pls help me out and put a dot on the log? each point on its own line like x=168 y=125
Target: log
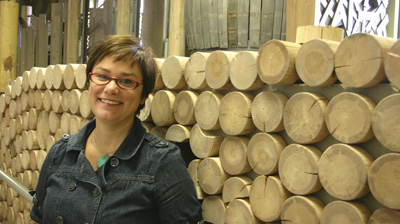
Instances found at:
x=24 y=101
x=302 y=209
x=218 y=69
x=391 y=64
x=43 y=129
x=350 y=212
x=243 y=71
x=24 y=136
x=32 y=76
x=58 y=74
x=304 y=117
x=159 y=82
x=70 y=76
x=84 y=107
x=348 y=117
x=56 y=102
x=184 y=106
x=27 y=179
x=328 y=33
x=31 y=98
x=267 y=195
x=206 y=110
x=162 y=108
x=65 y=122
x=275 y=62
x=178 y=133
x=195 y=70
x=19 y=105
x=315 y=62
x=240 y=211
x=263 y=152
x=74 y=101
x=25 y=81
x=384 y=181
x=47 y=100
x=32 y=142
x=25 y=120
x=193 y=168
x=298 y=169
x=38 y=95
x=65 y=100
x=204 y=143
x=81 y=77
x=385 y=121
x=172 y=72
x=145 y=112
x=12 y=109
x=48 y=77
x=3 y=104
x=159 y=131
x=40 y=76
x=25 y=160
x=359 y=66
x=214 y=209
x=49 y=142
x=233 y=155
x=75 y=124
x=267 y=111
x=236 y=187
x=18 y=86
x=384 y=216
x=33 y=118
x=343 y=171
x=212 y=176
x=235 y=113
x=35 y=177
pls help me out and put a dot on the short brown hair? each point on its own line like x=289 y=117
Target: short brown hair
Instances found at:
x=126 y=47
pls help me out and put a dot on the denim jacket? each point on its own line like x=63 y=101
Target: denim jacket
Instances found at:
x=145 y=181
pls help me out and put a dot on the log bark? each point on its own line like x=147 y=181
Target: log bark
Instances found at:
x=298 y=169
x=184 y=106
x=276 y=61
x=206 y=110
x=302 y=209
x=195 y=70
x=348 y=117
x=315 y=62
x=243 y=71
x=233 y=155
x=162 y=108
x=212 y=176
x=392 y=64
x=350 y=212
x=359 y=66
x=235 y=113
x=267 y=196
x=385 y=122
x=236 y=187
x=214 y=209
x=383 y=180
x=173 y=72
x=304 y=118
x=240 y=211
x=218 y=69
x=204 y=143
x=343 y=171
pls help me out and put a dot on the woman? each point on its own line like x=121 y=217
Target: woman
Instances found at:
x=112 y=171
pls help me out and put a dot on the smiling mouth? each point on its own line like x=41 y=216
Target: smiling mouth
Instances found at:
x=110 y=102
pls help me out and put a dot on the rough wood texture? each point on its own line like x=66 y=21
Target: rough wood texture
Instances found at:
x=359 y=66
x=178 y=133
x=348 y=117
x=206 y=110
x=350 y=212
x=176 y=37
x=315 y=62
x=235 y=113
x=343 y=171
x=392 y=64
x=195 y=70
x=383 y=180
x=304 y=119
x=212 y=176
x=267 y=111
x=243 y=71
x=267 y=196
x=204 y=143
x=233 y=155
x=384 y=216
x=236 y=187
x=302 y=209
x=218 y=69
x=263 y=152
x=184 y=106
x=162 y=111
x=385 y=122
x=172 y=72
x=240 y=211
x=213 y=209
x=275 y=62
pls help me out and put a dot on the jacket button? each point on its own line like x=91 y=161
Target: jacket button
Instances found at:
x=60 y=220
x=96 y=192
x=66 y=137
x=114 y=162
x=72 y=186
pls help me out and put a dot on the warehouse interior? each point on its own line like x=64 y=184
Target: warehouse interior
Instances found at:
x=285 y=111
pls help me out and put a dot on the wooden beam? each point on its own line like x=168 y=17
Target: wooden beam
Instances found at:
x=72 y=31
x=176 y=40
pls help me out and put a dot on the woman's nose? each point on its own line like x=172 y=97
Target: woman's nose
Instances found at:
x=112 y=86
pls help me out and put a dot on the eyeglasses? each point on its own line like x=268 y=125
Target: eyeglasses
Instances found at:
x=101 y=79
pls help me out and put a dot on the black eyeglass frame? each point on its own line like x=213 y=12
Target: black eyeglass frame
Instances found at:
x=116 y=81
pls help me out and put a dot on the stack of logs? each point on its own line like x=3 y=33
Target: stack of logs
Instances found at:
x=292 y=133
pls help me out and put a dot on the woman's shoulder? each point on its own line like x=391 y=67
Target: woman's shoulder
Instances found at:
x=160 y=146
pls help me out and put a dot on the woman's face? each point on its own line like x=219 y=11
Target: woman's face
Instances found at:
x=109 y=102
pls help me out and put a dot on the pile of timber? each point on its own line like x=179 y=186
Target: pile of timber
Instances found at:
x=291 y=132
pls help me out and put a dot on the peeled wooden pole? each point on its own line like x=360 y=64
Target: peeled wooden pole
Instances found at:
x=359 y=66
x=193 y=168
x=235 y=113
x=348 y=117
x=385 y=122
x=304 y=117
x=213 y=209
x=65 y=100
x=206 y=110
x=350 y=212
x=47 y=100
x=176 y=37
x=162 y=108
x=25 y=81
x=392 y=64
x=236 y=187
x=58 y=74
x=267 y=196
x=195 y=75
x=263 y=152
x=65 y=122
x=204 y=143
x=178 y=133
x=84 y=107
x=159 y=82
x=74 y=101
x=184 y=106
x=240 y=211
x=43 y=129
x=70 y=76
x=173 y=72
x=48 y=77
x=384 y=216
x=243 y=71
x=233 y=155
x=276 y=61
x=40 y=76
x=211 y=175
x=218 y=69
x=75 y=124
x=56 y=102
x=302 y=209
x=39 y=99
x=315 y=62
x=81 y=77
x=145 y=112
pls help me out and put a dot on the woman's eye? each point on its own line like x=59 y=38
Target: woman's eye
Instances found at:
x=103 y=77
x=126 y=81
